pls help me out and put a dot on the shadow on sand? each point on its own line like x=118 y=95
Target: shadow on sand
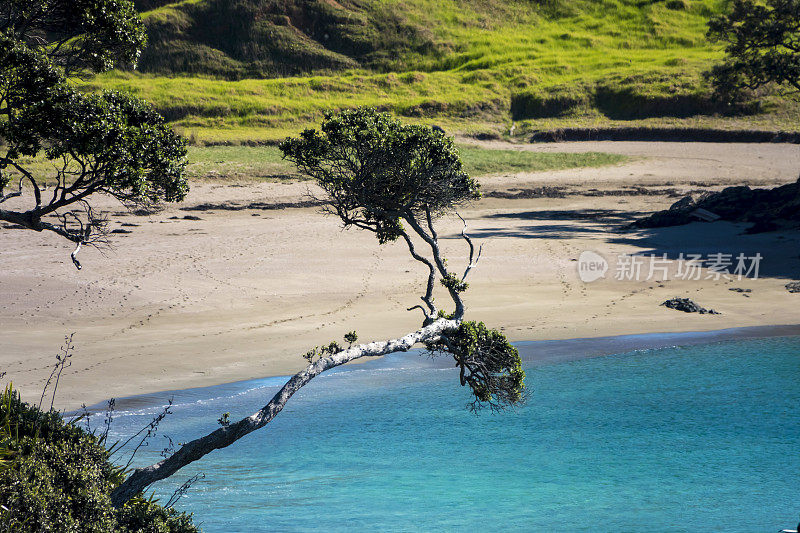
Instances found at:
x=780 y=250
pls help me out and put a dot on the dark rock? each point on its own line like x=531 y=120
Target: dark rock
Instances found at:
x=191 y=217
x=683 y=204
x=793 y=287
x=661 y=219
x=121 y=231
x=739 y=289
x=768 y=209
x=687 y=306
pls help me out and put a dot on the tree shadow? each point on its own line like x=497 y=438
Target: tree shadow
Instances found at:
x=576 y=222
x=779 y=250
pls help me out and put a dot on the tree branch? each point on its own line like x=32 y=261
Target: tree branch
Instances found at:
x=428 y=298
x=12 y=194
x=225 y=436
x=472 y=264
x=437 y=257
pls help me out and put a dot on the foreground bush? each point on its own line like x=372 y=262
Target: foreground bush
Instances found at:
x=54 y=476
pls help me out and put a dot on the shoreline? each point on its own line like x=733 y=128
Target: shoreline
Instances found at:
x=538 y=352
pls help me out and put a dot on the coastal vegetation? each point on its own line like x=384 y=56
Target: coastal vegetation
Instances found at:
x=265 y=71
x=378 y=174
x=55 y=476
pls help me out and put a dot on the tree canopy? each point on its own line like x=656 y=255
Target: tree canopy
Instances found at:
x=76 y=35
x=762 y=45
x=108 y=143
x=378 y=171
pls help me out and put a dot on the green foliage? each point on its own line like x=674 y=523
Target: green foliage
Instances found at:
x=351 y=337
x=141 y=157
x=318 y=352
x=94 y=35
x=59 y=478
x=147 y=516
x=108 y=143
x=489 y=364
x=452 y=282
x=377 y=171
x=225 y=419
x=761 y=46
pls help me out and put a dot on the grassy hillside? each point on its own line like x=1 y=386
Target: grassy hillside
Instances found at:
x=468 y=65
x=237 y=39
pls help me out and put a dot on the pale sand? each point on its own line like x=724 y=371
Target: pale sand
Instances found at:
x=180 y=303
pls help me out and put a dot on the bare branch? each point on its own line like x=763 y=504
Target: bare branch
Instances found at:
x=437 y=257
x=74 y=257
x=62 y=361
x=472 y=264
x=183 y=489
x=12 y=194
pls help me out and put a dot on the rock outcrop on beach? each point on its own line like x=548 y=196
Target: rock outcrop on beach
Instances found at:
x=767 y=209
x=793 y=287
x=687 y=306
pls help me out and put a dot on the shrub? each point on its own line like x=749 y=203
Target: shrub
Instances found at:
x=54 y=476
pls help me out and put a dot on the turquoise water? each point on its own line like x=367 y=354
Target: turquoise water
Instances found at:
x=696 y=438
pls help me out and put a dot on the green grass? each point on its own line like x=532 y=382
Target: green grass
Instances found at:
x=482 y=162
x=238 y=162
x=539 y=64
x=247 y=163
x=265 y=162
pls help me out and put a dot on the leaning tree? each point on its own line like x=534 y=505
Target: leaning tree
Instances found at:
x=762 y=46
x=394 y=180
x=59 y=146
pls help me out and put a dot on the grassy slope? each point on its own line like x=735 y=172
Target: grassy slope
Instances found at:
x=542 y=64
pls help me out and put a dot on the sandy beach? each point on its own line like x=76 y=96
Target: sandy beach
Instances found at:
x=246 y=289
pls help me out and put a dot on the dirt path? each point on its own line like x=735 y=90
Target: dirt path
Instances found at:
x=668 y=163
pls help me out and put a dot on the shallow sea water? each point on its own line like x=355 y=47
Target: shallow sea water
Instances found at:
x=694 y=438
